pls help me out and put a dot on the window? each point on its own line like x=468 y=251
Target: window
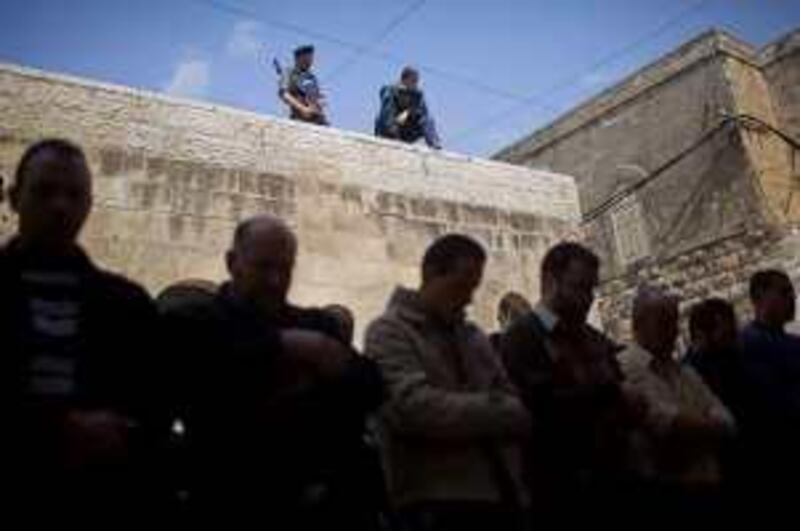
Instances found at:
x=630 y=233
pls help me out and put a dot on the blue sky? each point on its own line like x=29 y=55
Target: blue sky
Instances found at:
x=493 y=70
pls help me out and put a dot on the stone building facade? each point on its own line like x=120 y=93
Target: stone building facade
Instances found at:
x=173 y=177
x=688 y=171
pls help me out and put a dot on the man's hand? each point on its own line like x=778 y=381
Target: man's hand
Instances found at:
x=308 y=112
x=402 y=118
x=95 y=437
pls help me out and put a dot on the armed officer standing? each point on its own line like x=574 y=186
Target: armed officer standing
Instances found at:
x=300 y=89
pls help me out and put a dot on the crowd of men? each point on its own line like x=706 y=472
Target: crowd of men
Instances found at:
x=229 y=402
x=403 y=113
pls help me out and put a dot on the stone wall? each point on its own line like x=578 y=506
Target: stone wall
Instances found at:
x=682 y=178
x=781 y=65
x=173 y=177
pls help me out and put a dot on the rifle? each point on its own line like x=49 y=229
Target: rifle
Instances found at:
x=277 y=66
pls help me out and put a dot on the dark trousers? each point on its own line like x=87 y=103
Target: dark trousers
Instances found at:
x=424 y=127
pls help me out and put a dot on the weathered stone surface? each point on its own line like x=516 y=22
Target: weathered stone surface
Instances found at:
x=173 y=177
x=673 y=190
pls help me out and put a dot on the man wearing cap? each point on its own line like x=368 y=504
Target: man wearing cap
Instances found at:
x=300 y=89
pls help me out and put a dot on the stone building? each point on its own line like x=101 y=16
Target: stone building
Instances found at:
x=173 y=177
x=688 y=171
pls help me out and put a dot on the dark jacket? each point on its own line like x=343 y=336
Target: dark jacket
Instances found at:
x=396 y=99
x=260 y=440
x=772 y=366
x=724 y=373
x=772 y=374
x=576 y=410
x=117 y=367
x=313 y=319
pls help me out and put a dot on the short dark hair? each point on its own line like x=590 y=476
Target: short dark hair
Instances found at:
x=303 y=50
x=764 y=280
x=58 y=146
x=704 y=316
x=242 y=232
x=443 y=254
x=408 y=71
x=558 y=258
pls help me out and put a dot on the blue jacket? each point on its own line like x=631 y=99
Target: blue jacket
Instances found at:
x=394 y=100
x=772 y=366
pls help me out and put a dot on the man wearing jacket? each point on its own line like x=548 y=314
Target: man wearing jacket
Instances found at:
x=452 y=423
x=273 y=403
x=404 y=114
x=78 y=376
x=570 y=381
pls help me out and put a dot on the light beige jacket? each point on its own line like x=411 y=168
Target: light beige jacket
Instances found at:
x=437 y=424
x=668 y=394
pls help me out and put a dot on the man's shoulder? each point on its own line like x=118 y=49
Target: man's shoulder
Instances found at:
x=298 y=76
x=206 y=308
x=691 y=374
x=474 y=333
x=312 y=319
x=633 y=360
x=528 y=325
x=117 y=285
x=749 y=329
x=389 y=320
x=525 y=341
x=752 y=335
x=293 y=78
x=473 y=329
x=391 y=330
x=694 y=358
x=390 y=88
x=604 y=340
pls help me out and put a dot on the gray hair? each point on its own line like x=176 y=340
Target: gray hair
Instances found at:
x=648 y=297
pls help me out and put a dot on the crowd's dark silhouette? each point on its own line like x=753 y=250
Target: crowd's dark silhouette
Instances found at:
x=229 y=402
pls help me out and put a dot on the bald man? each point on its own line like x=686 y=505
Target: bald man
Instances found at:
x=261 y=263
x=273 y=404
x=675 y=450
